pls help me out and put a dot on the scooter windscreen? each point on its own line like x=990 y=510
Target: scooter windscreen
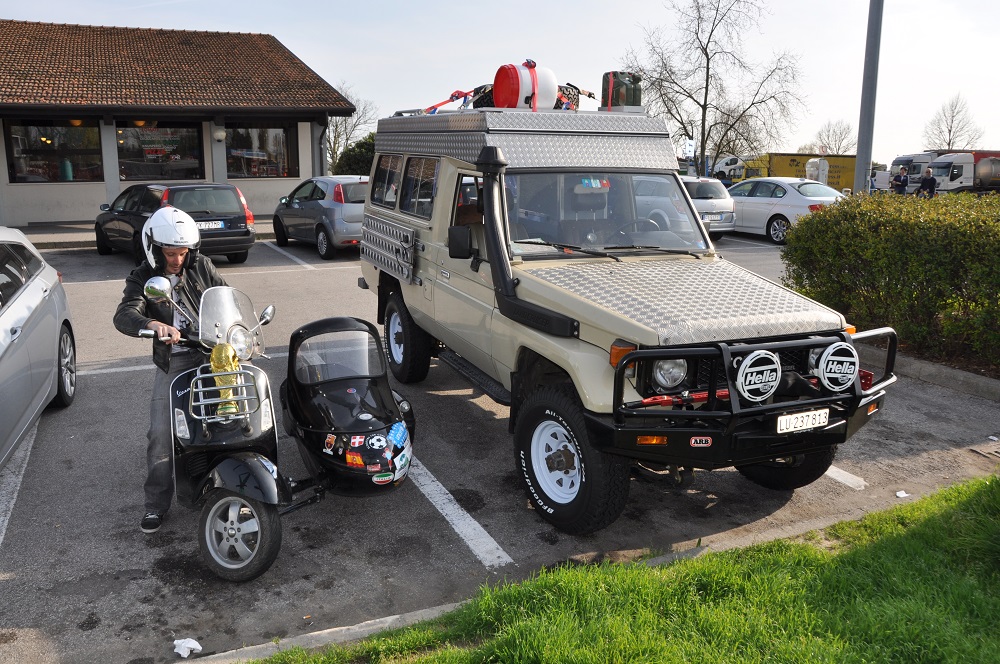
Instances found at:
x=228 y=316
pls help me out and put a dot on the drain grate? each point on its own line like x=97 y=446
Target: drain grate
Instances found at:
x=991 y=450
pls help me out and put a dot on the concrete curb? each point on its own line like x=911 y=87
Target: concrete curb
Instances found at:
x=936 y=374
x=338 y=635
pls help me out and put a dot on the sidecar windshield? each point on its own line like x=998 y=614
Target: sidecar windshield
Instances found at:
x=337 y=355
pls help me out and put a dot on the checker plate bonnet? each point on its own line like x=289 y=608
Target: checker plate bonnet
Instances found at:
x=690 y=301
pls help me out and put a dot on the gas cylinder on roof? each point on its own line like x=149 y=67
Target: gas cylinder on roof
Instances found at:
x=525 y=86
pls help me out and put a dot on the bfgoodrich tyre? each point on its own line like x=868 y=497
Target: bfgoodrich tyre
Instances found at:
x=790 y=472
x=408 y=347
x=570 y=483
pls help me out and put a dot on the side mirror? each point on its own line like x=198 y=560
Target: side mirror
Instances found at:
x=267 y=315
x=105 y=207
x=459 y=242
x=283 y=200
x=157 y=289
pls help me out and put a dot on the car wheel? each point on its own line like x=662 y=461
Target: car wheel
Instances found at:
x=280 y=235
x=790 y=472
x=137 y=250
x=239 y=537
x=777 y=229
x=103 y=244
x=570 y=483
x=238 y=257
x=323 y=244
x=407 y=346
x=66 y=369
x=715 y=237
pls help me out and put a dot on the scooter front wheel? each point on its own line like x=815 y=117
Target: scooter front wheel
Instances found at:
x=239 y=537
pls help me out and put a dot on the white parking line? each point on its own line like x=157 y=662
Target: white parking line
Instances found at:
x=845 y=477
x=289 y=256
x=10 y=479
x=476 y=538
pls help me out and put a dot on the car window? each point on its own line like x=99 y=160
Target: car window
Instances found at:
x=119 y=202
x=386 y=181
x=355 y=192
x=206 y=200
x=706 y=190
x=741 y=190
x=150 y=200
x=419 y=186
x=33 y=264
x=12 y=276
x=303 y=191
x=321 y=191
x=817 y=190
x=779 y=191
x=764 y=190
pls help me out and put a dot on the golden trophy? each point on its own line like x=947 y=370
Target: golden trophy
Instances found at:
x=222 y=360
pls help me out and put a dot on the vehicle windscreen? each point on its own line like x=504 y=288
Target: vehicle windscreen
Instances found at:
x=338 y=355
x=941 y=169
x=817 y=190
x=706 y=190
x=355 y=192
x=599 y=211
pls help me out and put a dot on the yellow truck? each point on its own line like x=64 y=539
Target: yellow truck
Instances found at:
x=839 y=170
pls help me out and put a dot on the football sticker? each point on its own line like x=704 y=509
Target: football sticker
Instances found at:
x=377 y=441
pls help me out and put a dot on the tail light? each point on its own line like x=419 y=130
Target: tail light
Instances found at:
x=59 y=275
x=338 y=194
x=163 y=200
x=816 y=207
x=246 y=209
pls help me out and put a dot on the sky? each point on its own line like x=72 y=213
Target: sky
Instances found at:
x=410 y=54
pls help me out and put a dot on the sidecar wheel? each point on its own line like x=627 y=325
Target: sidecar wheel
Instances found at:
x=239 y=537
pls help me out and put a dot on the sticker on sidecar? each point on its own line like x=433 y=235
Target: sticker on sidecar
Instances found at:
x=397 y=434
x=329 y=443
x=382 y=478
x=377 y=441
x=402 y=465
x=357 y=441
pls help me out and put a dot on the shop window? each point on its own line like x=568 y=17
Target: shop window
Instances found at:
x=53 y=151
x=151 y=150
x=268 y=150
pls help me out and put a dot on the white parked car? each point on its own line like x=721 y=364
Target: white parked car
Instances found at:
x=37 y=350
x=713 y=203
x=769 y=206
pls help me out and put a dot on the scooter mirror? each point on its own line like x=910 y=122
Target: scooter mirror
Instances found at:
x=267 y=315
x=157 y=289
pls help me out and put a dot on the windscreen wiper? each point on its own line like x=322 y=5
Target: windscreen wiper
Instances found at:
x=570 y=247
x=653 y=247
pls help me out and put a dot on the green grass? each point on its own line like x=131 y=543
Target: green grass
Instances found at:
x=917 y=583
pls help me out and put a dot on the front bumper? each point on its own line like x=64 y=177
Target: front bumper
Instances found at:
x=715 y=428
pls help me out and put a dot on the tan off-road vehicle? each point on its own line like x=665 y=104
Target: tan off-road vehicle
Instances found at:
x=528 y=251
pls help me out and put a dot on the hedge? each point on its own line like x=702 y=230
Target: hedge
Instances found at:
x=928 y=268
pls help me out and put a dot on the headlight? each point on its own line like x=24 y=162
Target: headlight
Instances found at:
x=242 y=342
x=669 y=373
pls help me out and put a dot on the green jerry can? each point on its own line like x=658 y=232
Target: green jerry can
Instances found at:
x=621 y=88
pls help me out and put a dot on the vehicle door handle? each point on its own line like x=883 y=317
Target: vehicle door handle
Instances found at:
x=15 y=332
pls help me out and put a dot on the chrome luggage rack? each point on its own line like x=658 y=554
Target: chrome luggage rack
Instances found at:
x=205 y=395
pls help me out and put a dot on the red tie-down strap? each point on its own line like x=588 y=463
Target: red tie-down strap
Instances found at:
x=530 y=64
x=455 y=96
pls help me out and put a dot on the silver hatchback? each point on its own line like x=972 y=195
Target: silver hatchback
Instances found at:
x=327 y=211
x=37 y=348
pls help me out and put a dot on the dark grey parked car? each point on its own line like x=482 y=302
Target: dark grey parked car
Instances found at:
x=327 y=211
x=220 y=210
x=37 y=350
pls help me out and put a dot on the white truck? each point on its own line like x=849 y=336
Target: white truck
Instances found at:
x=915 y=165
x=620 y=339
x=975 y=171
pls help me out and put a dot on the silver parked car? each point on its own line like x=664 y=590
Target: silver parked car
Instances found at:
x=37 y=349
x=769 y=206
x=713 y=203
x=327 y=210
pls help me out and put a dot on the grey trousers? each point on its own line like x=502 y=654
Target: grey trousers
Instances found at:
x=160 y=451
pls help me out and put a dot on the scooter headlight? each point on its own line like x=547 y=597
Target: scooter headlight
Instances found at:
x=668 y=374
x=242 y=342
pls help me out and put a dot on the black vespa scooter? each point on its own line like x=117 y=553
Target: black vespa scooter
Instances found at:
x=225 y=438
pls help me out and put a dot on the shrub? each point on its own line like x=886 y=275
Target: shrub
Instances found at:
x=928 y=268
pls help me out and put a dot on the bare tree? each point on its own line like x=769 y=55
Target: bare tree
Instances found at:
x=952 y=127
x=343 y=131
x=708 y=89
x=838 y=137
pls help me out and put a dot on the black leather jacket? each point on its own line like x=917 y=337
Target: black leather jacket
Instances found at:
x=135 y=311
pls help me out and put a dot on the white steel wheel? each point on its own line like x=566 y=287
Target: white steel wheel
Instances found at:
x=553 y=451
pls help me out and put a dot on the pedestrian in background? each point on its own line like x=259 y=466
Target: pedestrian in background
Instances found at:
x=928 y=185
x=900 y=181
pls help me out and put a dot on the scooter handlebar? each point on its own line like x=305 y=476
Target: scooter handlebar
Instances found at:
x=184 y=341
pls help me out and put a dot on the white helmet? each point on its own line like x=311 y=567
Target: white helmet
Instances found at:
x=169 y=227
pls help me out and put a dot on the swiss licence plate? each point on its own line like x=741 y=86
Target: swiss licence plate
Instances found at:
x=711 y=217
x=206 y=225
x=803 y=421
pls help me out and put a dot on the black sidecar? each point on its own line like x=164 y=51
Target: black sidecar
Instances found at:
x=351 y=427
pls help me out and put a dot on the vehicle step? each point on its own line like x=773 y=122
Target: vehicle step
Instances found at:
x=493 y=388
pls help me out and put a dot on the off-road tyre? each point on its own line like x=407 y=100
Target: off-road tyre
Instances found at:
x=407 y=346
x=569 y=482
x=791 y=472
x=103 y=243
x=280 y=235
x=239 y=537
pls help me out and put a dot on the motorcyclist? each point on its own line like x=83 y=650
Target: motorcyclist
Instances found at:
x=170 y=241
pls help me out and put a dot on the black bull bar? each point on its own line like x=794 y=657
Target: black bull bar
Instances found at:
x=725 y=432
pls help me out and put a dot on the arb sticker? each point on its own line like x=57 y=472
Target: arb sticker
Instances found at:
x=701 y=441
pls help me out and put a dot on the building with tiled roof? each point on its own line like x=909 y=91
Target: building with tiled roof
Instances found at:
x=88 y=109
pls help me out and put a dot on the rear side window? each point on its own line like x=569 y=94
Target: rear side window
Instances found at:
x=385 y=186
x=32 y=262
x=12 y=276
x=419 y=186
x=355 y=192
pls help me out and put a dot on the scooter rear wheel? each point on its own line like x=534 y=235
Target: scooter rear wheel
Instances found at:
x=239 y=537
